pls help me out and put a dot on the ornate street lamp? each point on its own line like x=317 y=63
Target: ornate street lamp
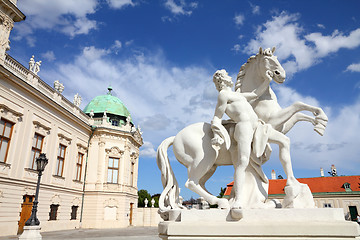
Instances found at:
x=41 y=162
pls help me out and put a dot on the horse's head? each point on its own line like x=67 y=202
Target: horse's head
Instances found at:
x=270 y=66
x=257 y=69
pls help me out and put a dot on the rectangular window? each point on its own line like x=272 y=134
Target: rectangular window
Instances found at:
x=60 y=160
x=115 y=122
x=79 y=166
x=6 y=128
x=113 y=170
x=36 y=149
x=132 y=174
x=73 y=212
x=53 y=211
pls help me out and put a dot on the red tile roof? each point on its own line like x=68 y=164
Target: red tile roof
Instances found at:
x=316 y=185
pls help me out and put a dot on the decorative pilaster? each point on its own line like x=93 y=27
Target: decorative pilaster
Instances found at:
x=9 y=14
x=6 y=25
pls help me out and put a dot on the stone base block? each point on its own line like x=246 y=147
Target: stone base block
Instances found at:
x=261 y=224
x=31 y=233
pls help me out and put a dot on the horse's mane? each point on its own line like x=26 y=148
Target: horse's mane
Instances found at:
x=242 y=71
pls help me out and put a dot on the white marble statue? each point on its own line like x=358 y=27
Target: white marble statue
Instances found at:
x=56 y=85
x=256 y=120
x=128 y=120
x=146 y=201
x=139 y=129
x=152 y=202
x=77 y=100
x=59 y=86
x=32 y=63
x=37 y=67
x=92 y=113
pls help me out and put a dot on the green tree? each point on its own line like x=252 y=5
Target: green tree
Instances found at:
x=142 y=194
x=221 y=194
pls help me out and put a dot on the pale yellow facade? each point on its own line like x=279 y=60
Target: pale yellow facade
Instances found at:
x=344 y=200
x=75 y=187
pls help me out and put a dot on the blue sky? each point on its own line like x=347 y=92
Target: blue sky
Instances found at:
x=160 y=55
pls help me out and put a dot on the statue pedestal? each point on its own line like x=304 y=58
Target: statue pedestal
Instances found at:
x=260 y=224
x=31 y=233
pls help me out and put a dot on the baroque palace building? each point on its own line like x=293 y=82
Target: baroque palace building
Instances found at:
x=91 y=177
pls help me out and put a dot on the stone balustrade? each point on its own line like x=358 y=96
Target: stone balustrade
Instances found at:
x=18 y=68
x=26 y=75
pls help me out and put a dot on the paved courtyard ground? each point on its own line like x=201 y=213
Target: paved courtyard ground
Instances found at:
x=131 y=233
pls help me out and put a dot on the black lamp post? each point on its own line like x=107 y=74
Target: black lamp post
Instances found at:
x=41 y=162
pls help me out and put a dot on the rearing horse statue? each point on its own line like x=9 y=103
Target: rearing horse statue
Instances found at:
x=267 y=107
x=192 y=146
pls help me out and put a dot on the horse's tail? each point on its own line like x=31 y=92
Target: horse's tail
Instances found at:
x=169 y=198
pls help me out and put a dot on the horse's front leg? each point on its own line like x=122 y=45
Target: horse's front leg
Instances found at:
x=279 y=119
x=297 y=117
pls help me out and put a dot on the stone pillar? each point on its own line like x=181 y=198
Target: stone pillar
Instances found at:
x=101 y=163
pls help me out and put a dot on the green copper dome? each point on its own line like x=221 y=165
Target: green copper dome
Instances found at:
x=108 y=103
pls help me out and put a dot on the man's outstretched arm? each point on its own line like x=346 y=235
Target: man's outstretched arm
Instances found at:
x=257 y=92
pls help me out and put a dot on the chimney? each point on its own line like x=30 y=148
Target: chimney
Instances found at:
x=333 y=170
x=321 y=172
x=273 y=174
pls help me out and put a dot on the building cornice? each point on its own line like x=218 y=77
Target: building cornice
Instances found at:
x=12 y=11
x=135 y=136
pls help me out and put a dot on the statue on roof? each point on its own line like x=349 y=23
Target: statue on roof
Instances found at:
x=32 y=63
x=128 y=120
x=34 y=66
x=77 y=100
x=58 y=86
x=37 y=67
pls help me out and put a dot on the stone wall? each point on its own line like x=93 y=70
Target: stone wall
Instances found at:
x=147 y=217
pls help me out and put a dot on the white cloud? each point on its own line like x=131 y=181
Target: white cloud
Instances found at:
x=147 y=150
x=80 y=26
x=128 y=43
x=283 y=32
x=49 y=55
x=118 y=4
x=324 y=45
x=255 y=9
x=92 y=53
x=166 y=19
x=161 y=97
x=239 y=19
x=68 y=17
x=297 y=50
x=181 y=7
x=155 y=122
x=116 y=46
x=355 y=67
x=320 y=25
x=287 y=96
x=236 y=48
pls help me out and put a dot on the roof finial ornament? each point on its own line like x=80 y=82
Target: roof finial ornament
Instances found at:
x=110 y=89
